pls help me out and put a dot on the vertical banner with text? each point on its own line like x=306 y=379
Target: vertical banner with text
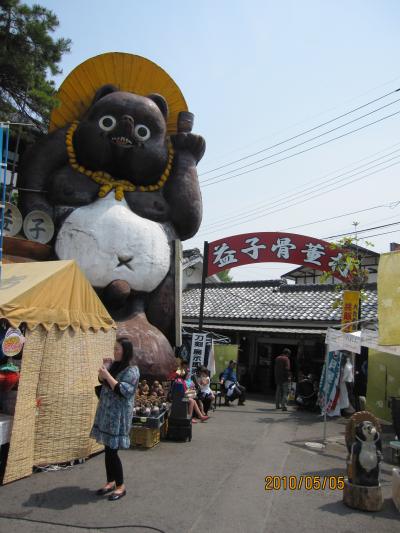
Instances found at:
x=329 y=383
x=198 y=351
x=351 y=305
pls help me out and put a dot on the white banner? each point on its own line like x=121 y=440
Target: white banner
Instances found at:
x=338 y=340
x=211 y=359
x=197 y=351
x=370 y=339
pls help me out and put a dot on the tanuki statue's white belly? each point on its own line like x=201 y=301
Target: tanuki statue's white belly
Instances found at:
x=110 y=242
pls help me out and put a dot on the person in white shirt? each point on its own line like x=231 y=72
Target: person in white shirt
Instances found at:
x=205 y=394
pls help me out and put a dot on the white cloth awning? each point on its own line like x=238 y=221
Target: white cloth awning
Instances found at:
x=338 y=340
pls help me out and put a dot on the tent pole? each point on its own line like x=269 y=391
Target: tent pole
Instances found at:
x=325 y=389
x=5 y=133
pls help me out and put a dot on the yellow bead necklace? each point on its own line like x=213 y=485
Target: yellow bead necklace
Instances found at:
x=104 y=179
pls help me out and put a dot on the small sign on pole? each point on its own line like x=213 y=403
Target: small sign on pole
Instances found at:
x=198 y=351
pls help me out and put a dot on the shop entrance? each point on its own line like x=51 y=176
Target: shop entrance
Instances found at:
x=267 y=352
x=307 y=357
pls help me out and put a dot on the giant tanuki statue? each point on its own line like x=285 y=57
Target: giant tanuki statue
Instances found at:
x=120 y=183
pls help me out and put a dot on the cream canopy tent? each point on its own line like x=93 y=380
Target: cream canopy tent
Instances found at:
x=48 y=294
x=68 y=332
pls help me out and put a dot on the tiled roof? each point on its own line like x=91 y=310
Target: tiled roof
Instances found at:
x=274 y=300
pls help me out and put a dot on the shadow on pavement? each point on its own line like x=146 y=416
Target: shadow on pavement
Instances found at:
x=301 y=418
x=61 y=498
x=339 y=508
x=340 y=455
x=328 y=473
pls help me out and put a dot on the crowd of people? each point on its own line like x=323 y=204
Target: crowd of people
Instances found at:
x=118 y=383
x=198 y=393
x=119 y=379
x=192 y=391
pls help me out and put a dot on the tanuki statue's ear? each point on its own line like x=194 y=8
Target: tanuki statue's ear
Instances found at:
x=161 y=103
x=103 y=91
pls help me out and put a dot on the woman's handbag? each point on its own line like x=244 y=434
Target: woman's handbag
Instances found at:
x=97 y=390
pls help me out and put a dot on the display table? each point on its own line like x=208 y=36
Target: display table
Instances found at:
x=5 y=428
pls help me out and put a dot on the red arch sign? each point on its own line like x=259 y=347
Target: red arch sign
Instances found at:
x=276 y=247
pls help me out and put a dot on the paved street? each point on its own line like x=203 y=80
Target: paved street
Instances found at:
x=213 y=484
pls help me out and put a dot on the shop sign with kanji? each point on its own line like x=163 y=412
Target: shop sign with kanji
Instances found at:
x=350 y=307
x=275 y=247
x=197 y=352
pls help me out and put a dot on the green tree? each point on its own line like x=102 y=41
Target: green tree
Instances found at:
x=350 y=264
x=224 y=276
x=28 y=56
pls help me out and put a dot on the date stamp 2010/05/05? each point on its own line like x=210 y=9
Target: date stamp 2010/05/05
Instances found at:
x=304 y=482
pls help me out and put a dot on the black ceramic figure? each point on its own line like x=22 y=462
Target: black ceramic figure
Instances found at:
x=366 y=455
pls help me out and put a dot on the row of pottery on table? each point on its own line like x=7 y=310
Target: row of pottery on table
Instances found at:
x=149 y=420
x=150 y=401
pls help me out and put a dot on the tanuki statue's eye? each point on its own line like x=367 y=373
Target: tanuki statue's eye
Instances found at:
x=107 y=123
x=142 y=132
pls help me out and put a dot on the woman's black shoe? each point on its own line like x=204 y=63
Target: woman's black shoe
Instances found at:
x=104 y=491
x=116 y=496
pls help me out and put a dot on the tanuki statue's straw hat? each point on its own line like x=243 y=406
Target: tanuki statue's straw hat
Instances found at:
x=128 y=72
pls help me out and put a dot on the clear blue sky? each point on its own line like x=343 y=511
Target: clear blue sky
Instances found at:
x=254 y=73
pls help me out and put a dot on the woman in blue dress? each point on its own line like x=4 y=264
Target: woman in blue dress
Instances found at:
x=113 y=418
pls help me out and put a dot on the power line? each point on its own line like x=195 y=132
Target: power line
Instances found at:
x=302 y=151
x=379 y=234
x=301 y=133
x=257 y=206
x=363 y=230
x=340 y=216
x=346 y=102
x=349 y=232
x=250 y=218
x=320 y=185
x=301 y=143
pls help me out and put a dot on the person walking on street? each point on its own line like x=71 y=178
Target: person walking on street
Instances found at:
x=282 y=374
x=113 y=418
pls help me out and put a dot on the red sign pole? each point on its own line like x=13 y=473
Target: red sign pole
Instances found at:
x=203 y=284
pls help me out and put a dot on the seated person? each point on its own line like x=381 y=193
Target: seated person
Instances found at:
x=205 y=394
x=190 y=393
x=193 y=389
x=233 y=389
